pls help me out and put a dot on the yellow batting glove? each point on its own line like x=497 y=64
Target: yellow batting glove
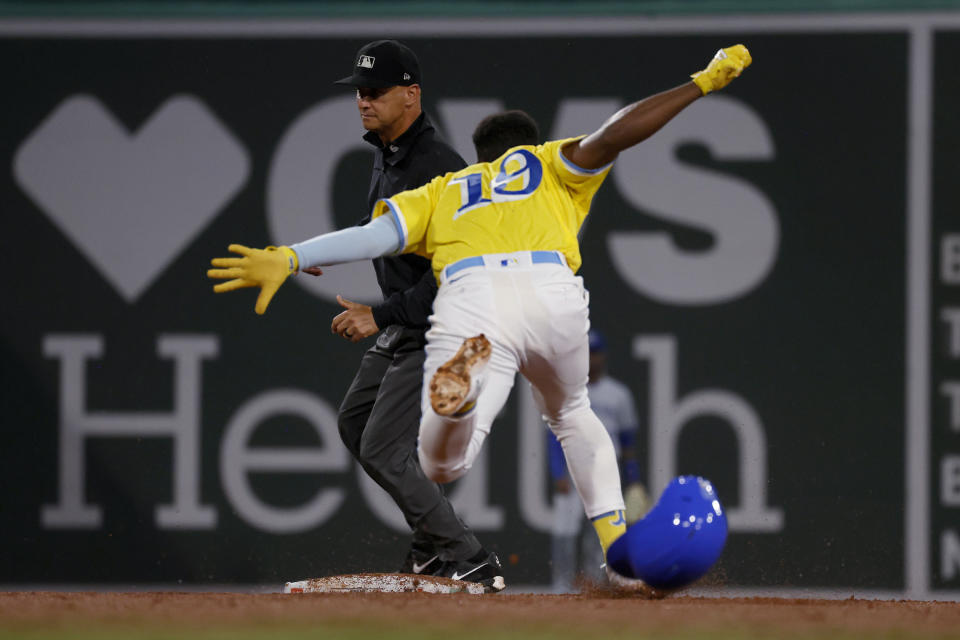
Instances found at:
x=264 y=268
x=725 y=66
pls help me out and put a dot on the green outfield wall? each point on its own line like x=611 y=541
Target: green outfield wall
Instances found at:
x=777 y=273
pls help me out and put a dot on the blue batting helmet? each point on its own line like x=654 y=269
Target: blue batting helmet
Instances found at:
x=678 y=541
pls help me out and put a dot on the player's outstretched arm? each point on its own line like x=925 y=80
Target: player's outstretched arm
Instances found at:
x=269 y=268
x=637 y=122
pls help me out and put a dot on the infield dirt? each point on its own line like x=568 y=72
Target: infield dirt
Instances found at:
x=402 y=615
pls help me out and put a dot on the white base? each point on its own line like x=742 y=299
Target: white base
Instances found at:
x=383 y=583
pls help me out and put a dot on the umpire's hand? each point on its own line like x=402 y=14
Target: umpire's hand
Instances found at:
x=356 y=323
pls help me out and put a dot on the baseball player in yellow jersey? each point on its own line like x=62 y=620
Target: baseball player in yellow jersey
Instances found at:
x=502 y=237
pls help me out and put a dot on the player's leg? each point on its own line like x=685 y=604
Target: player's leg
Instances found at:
x=587 y=447
x=462 y=311
x=449 y=444
x=556 y=361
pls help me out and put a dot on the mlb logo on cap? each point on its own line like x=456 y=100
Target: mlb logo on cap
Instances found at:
x=382 y=64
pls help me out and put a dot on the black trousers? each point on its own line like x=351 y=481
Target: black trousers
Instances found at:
x=379 y=421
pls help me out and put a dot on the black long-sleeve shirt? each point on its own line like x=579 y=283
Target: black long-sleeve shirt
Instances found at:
x=412 y=160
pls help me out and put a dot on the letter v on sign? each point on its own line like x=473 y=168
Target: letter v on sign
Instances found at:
x=129 y=202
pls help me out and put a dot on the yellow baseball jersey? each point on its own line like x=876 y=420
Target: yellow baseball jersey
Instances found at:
x=528 y=199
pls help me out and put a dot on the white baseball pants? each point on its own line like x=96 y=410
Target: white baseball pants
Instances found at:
x=535 y=313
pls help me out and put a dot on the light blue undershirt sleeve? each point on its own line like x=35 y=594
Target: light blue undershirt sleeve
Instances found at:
x=376 y=238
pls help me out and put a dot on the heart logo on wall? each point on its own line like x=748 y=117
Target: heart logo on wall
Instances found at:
x=131 y=202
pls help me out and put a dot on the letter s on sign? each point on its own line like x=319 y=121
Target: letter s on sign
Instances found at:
x=740 y=217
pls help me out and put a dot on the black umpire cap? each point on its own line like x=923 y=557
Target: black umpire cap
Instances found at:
x=384 y=63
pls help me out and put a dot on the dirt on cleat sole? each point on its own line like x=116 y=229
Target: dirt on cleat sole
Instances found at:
x=450 y=385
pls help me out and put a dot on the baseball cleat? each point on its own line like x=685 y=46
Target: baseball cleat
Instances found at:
x=624 y=584
x=450 y=388
x=422 y=563
x=483 y=568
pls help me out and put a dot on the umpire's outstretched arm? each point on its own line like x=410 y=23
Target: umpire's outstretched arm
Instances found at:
x=637 y=122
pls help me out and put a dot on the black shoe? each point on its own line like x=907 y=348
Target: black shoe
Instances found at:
x=422 y=563
x=483 y=568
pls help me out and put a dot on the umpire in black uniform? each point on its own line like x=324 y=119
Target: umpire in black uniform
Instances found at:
x=379 y=417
